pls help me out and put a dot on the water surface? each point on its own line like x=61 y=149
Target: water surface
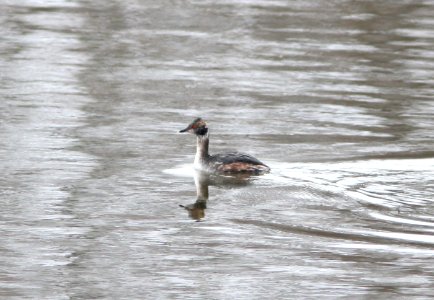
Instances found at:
x=337 y=97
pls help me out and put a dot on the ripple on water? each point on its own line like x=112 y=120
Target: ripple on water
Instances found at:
x=357 y=188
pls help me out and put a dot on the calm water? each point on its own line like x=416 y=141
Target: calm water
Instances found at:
x=336 y=96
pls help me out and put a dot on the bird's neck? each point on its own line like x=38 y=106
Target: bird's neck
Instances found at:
x=201 y=149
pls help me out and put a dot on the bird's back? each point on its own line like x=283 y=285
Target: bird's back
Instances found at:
x=235 y=162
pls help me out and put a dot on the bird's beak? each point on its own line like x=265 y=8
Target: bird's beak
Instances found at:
x=185 y=129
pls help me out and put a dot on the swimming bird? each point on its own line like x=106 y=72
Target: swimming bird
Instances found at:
x=224 y=163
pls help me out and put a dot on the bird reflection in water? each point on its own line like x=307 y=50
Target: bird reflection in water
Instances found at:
x=196 y=210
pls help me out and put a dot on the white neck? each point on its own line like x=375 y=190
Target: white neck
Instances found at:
x=201 y=150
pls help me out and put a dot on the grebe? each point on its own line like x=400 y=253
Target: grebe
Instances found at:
x=225 y=163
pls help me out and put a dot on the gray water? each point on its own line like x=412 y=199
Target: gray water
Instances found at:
x=335 y=96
